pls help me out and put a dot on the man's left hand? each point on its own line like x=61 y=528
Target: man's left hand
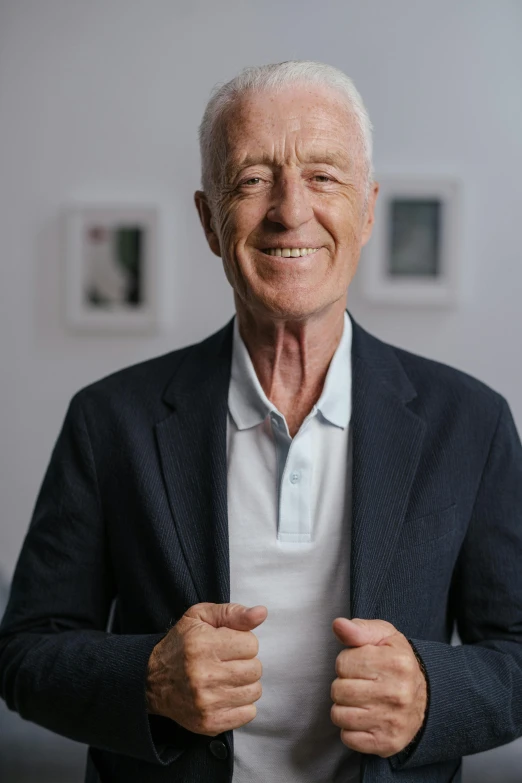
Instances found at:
x=380 y=693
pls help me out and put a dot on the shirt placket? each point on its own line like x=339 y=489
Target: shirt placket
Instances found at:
x=294 y=457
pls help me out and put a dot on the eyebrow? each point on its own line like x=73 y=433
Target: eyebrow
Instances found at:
x=329 y=158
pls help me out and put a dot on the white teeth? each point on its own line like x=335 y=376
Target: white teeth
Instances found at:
x=290 y=252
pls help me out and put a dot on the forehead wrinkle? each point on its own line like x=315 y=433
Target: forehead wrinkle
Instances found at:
x=285 y=140
x=337 y=159
x=320 y=152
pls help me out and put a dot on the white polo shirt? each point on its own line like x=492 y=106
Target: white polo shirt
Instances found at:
x=289 y=520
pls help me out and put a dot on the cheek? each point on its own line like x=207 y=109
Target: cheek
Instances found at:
x=350 y=236
x=342 y=220
x=230 y=233
x=237 y=223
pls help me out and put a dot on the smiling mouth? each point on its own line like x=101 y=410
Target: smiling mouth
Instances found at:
x=290 y=252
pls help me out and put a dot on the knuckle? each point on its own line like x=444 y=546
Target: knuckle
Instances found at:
x=404 y=663
x=250 y=713
x=201 y=700
x=374 y=744
x=397 y=695
x=358 y=744
x=335 y=715
x=228 y=609
x=254 y=644
x=397 y=733
x=402 y=695
x=209 y=726
x=340 y=663
x=393 y=735
x=195 y=675
x=229 y=612
x=387 y=748
x=191 y=648
x=196 y=610
x=201 y=606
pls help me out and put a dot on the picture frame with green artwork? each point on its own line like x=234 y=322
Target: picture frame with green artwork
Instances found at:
x=114 y=269
x=413 y=257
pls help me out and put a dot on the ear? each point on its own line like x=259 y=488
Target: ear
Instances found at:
x=205 y=216
x=369 y=218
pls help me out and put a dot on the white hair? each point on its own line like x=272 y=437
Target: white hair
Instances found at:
x=275 y=76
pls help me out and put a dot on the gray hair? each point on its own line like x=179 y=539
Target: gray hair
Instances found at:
x=275 y=76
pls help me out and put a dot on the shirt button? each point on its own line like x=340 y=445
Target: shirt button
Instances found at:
x=295 y=476
x=218 y=749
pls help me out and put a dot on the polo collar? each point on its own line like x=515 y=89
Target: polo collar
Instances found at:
x=249 y=405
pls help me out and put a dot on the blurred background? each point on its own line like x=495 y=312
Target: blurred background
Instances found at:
x=101 y=100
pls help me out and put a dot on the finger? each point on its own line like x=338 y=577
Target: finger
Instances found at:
x=352 y=718
x=230 y=615
x=355 y=693
x=234 y=674
x=361 y=741
x=380 y=664
x=363 y=663
x=230 y=645
x=356 y=632
x=234 y=718
x=227 y=698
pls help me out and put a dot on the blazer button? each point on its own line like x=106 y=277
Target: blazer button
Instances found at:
x=218 y=749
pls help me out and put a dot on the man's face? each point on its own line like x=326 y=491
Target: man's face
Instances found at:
x=293 y=181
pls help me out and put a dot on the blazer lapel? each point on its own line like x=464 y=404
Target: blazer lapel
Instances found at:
x=192 y=446
x=387 y=440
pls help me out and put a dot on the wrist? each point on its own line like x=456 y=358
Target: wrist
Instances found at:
x=151 y=690
x=413 y=742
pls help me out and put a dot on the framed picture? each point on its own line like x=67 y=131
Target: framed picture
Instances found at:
x=413 y=255
x=114 y=271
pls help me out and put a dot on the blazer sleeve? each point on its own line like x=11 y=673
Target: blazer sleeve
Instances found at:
x=476 y=687
x=58 y=666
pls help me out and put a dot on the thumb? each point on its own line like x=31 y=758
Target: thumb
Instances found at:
x=356 y=632
x=235 y=616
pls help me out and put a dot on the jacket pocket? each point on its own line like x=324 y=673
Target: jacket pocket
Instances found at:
x=427 y=529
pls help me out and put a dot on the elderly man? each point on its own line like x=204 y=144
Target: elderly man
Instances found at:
x=236 y=502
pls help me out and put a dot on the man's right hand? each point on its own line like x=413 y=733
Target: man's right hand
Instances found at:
x=204 y=673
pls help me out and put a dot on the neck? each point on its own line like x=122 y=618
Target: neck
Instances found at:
x=291 y=357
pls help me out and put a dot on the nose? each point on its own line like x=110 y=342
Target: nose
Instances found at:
x=290 y=205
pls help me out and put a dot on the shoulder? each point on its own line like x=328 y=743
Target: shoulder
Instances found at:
x=137 y=379
x=436 y=391
x=141 y=387
x=453 y=403
x=431 y=377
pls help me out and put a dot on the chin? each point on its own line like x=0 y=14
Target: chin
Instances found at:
x=293 y=307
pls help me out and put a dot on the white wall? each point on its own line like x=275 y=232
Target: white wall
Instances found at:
x=104 y=98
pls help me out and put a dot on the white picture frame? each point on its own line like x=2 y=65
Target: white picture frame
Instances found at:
x=114 y=267
x=413 y=256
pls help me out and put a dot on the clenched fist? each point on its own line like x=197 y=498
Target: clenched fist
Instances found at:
x=204 y=673
x=380 y=693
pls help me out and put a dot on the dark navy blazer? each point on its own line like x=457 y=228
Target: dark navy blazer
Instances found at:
x=133 y=510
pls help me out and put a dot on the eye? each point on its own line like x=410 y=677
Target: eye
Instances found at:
x=321 y=178
x=251 y=181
